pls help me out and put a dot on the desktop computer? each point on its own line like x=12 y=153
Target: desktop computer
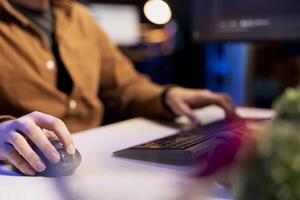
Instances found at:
x=255 y=20
x=249 y=47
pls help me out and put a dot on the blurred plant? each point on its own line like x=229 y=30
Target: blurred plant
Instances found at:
x=288 y=106
x=273 y=172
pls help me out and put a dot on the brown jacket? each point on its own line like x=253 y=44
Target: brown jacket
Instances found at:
x=100 y=73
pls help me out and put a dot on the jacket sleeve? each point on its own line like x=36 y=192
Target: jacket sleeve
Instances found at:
x=123 y=89
x=4 y=118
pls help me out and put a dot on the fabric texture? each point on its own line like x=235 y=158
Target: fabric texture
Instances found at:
x=46 y=22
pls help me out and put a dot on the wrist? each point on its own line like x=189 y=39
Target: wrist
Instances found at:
x=165 y=97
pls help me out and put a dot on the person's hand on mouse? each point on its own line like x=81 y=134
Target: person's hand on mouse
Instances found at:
x=182 y=100
x=38 y=128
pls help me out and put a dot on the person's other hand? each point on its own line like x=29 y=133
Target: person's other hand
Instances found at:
x=182 y=100
x=38 y=128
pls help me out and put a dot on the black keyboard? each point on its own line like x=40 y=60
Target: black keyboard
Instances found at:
x=187 y=146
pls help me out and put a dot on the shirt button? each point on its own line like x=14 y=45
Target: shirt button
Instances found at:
x=72 y=104
x=50 y=64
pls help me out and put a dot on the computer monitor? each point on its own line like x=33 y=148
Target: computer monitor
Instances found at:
x=250 y=20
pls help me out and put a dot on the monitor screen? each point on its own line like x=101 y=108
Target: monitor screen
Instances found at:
x=258 y=20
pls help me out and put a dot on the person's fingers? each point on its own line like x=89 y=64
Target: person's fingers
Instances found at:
x=20 y=163
x=38 y=137
x=57 y=126
x=227 y=98
x=24 y=149
x=229 y=101
x=174 y=108
x=222 y=102
x=206 y=97
x=50 y=135
x=187 y=111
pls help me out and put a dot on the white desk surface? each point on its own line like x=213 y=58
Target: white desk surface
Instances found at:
x=102 y=176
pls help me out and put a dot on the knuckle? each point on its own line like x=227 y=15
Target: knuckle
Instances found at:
x=223 y=98
x=35 y=113
x=20 y=163
x=57 y=123
x=15 y=138
x=28 y=129
x=206 y=92
x=217 y=100
x=22 y=121
x=18 y=122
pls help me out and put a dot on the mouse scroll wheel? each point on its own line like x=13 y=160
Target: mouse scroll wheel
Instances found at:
x=62 y=155
x=57 y=144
